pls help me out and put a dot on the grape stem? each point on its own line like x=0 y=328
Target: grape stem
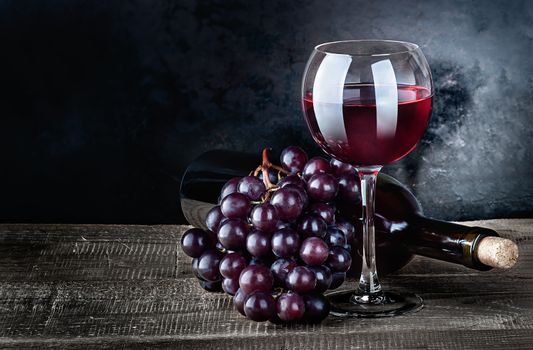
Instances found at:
x=277 y=292
x=264 y=168
x=265 y=165
x=256 y=171
x=278 y=168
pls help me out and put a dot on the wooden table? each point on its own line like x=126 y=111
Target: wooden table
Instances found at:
x=117 y=286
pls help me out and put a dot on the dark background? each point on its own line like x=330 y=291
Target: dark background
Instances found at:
x=104 y=103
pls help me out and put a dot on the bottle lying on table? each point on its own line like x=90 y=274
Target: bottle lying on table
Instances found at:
x=402 y=230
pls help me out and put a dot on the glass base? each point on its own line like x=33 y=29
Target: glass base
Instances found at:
x=388 y=304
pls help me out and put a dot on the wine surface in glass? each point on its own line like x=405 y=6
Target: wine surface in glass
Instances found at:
x=361 y=132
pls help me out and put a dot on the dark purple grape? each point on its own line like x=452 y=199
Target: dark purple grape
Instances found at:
x=322 y=187
x=301 y=192
x=265 y=217
x=272 y=176
x=211 y=286
x=288 y=204
x=339 y=259
x=323 y=278
x=232 y=234
x=316 y=165
x=314 y=251
x=213 y=218
x=301 y=280
x=230 y=285
x=194 y=268
x=292 y=180
x=337 y=279
x=280 y=269
x=293 y=159
x=229 y=187
x=335 y=237
x=339 y=168
x=251 y=187
x=258 y=243
x=195 y=242
x=259 y=306
x=348 y=229
x=208 y=265
x=349 y=189
x=231 y=265
x=325 y=211
x=285 y=243
x=235 y=206
x=256 y=278
x=316 y=307
x=290 y=306
x=348 y=247
x=311 y=225
x=238 y=301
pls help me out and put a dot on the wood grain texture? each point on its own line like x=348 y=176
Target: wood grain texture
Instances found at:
x=115 y=286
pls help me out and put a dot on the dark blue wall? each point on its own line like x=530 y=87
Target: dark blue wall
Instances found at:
x=103 y=103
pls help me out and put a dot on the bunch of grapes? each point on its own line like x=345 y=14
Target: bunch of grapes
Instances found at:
x=273 y=242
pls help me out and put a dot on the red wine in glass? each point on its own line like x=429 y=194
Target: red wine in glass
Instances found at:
x=360 y=142
x=368 y=103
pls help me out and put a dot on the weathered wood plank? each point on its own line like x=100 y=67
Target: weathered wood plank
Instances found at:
x=170 y=307
x=88 y=252
x=427 y=339
x=105 y=286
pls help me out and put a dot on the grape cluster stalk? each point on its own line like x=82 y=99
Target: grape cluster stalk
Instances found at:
x=274 y=242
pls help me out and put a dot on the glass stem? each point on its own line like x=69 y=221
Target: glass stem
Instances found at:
x=369 y=290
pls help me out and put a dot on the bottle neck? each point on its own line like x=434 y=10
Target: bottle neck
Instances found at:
x=445 y=241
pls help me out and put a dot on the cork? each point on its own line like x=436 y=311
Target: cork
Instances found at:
x=497 y=252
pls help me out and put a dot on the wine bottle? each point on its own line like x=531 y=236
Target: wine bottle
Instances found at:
x=402 y=230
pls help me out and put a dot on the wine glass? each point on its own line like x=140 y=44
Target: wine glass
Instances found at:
x=368 y=103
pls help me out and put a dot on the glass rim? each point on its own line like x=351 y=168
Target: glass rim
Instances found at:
x=410 y=47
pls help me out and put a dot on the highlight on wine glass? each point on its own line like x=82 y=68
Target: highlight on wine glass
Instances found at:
x=368 y=103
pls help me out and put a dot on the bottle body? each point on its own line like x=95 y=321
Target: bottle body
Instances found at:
x=401 y=228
